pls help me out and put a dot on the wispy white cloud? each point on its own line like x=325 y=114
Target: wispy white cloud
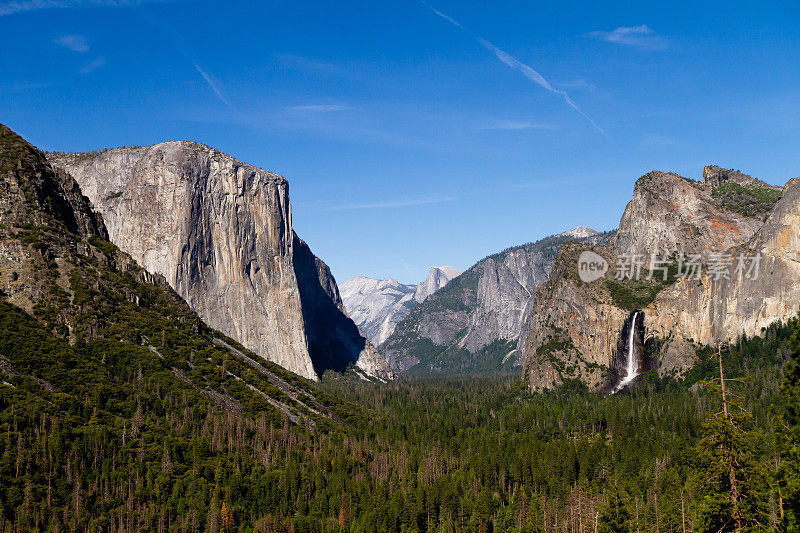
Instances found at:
x=319 y=108
x=409 y=202
x=212 y=84
x=642 y=36
x=512 y=125
x=76 y=43
x=526 y=70
x=445 y=17
x=183 y=48
x=93 y=65
x=537 y=78
x=576 y=84
x=19 y=6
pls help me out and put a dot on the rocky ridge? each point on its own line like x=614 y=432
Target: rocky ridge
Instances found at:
x=377 y=305
x=670 y=215
x=86 y=329
x=220 y=232
x=474 y=322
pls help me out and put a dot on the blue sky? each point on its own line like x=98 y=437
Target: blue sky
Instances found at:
x=413 y=133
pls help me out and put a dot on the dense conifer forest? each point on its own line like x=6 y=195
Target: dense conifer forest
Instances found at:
x=99 y=437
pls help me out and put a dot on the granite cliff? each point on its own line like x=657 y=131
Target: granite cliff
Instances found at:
x=670 y=213
x=576 y=328
x=377 y=305
x=719 y=309
x=474 y=322
x=88 y=334
x=220 y=232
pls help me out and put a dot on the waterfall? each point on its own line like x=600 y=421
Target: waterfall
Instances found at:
x=632 y=365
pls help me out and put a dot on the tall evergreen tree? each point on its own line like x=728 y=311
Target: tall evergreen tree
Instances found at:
x=732 y=481
x=614 y=516
x=789 y=440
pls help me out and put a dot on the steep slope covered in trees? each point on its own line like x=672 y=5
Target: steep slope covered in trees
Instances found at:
x=474 y=322
x=220 y=232
x=115 y=396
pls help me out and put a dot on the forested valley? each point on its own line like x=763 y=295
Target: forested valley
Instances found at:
x=96 y=437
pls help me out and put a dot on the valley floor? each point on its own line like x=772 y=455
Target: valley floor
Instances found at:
x=458 y=454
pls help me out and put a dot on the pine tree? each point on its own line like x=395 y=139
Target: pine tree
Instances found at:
x=732 y=481
x=614 y=516
x=789 y=440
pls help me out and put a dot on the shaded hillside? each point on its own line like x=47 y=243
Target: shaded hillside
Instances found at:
x=220 y=232
x=114 y=395
x=473 y=323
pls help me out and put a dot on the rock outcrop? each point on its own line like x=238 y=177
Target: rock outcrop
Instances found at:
x=437 y=278
x=577 y=325
x=35 y=194
x=44 y=221
x=715 y=176
x=574 y=326
x=220 y=232
x=670 y=213
x=474 y=322
x=377 y=305
x=581 y=232
x=719 y=309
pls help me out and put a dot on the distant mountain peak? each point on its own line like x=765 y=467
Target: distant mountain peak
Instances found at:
x=438 y=277
x=581 y=232
x=377 y=305
x=450 y=271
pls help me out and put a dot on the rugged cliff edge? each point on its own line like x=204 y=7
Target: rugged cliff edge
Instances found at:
x=576 y=329
x=573 y=327
x=220 y=232
x=474 y=322
x=708 y=310
x=92 y=339
x=670 y=213
x=377 y=305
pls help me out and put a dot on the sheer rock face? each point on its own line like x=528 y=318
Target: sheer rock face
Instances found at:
x=711 y=310
x=671 y=214
x=574 y=327
x=504 y=290
x=456 y=328
x=780 y=234
x=333 y=338
x=437 y=278
x=377 y=305
x=218 y=230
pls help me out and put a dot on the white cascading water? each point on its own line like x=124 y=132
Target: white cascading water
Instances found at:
x=632 y=363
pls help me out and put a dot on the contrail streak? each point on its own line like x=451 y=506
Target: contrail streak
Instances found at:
x=526 y=70
x=212 y=84
x=183 y=48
